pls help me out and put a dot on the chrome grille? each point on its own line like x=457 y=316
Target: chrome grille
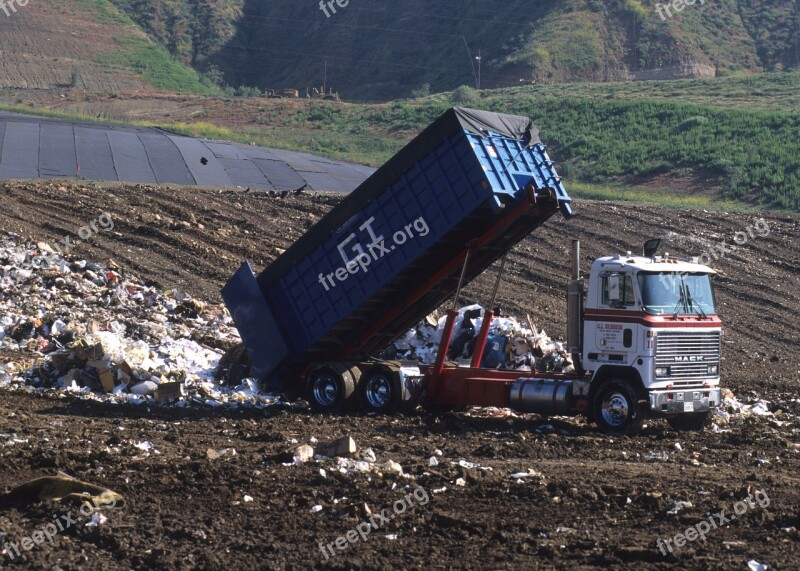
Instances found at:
x=688 y=354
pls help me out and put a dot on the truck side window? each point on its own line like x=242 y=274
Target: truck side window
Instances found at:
x=617 y=290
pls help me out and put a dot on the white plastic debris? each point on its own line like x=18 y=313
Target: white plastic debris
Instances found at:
x=369 y=455
x=677 y=507
x=147 y=446
x=107 y=335
x=754 y=565
x=390 y=467
x=247 y=499
x=303 y=454
x=316 y=509
x=97 y=520
x=433 y=461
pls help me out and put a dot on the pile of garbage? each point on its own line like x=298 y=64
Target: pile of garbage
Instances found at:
x=79 y=326
x=510 y=344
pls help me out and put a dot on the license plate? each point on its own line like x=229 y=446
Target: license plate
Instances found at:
x=688 y=407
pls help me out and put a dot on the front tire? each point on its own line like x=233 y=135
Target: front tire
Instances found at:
x=616 y=408
x=691 y=421
x=330 y=387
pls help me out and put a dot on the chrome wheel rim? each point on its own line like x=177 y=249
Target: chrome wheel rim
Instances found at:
x=615 y=409
x=379 y=392
x=325 y=389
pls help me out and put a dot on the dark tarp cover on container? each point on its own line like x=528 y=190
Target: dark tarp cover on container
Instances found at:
x=452 y=121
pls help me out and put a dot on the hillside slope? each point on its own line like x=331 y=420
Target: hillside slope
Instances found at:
x=385 y=50
x=84 y=44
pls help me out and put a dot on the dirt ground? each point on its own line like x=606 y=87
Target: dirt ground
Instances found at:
x=591 y=500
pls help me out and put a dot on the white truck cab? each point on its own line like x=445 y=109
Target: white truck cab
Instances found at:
x=650 y=323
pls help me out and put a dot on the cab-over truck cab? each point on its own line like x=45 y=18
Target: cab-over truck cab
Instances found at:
x=651 y=341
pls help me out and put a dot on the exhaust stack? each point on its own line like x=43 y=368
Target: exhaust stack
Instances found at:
x=575 y=309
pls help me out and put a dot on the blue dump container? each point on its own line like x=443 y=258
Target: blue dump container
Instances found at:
x=392 y=251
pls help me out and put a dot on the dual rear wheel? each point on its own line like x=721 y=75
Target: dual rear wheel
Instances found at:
x=335 y=387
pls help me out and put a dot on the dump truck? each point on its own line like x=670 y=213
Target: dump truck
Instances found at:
x=643 y=330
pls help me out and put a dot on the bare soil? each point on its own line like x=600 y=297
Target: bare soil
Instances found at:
x=600 y=502
x=43 y=43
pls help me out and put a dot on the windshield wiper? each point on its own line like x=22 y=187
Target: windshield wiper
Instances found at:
x=681 y=303
x=691 y=303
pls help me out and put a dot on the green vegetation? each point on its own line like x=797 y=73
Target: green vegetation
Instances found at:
x=155 y=65
x=626 y=141
x=391 y=51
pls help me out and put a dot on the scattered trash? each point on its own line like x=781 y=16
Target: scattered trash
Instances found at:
x=303 y=454
x=531 y=473
x=316 y=509
x=510 y=345
x=754 y=565
x=662 y=456
x=97 y=520
x=391 y=536
x=212 y=454
x=677 y=446
x=147 y=446
x=461 y=482
x=247 y=499
x=63 y=489
x=107 y=335
x=339 y=447
x=677 y=507
x=433 y=461
x=391 y=467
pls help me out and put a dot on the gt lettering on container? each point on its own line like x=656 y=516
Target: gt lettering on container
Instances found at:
x=376 y=247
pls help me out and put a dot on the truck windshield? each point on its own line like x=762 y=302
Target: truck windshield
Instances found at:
x=672 y=293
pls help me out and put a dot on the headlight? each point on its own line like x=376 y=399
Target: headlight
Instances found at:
x=662 y=371
x=713 y=369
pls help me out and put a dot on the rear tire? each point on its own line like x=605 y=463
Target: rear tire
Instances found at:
x=616 y=408
x=692 y=421
x=330 y=387
x=379 y=390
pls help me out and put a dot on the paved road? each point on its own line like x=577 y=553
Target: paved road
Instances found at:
x=38 y=148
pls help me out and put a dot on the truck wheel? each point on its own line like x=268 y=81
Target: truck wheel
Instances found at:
x=330 y=387
x=616 y=408
x=379 y=390
x=689 y=421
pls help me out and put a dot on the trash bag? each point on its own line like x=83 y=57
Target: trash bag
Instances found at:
x=494 y=355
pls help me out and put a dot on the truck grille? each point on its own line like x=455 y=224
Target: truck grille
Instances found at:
x=688 y=355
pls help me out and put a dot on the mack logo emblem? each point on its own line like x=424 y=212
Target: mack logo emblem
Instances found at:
x=689 y=358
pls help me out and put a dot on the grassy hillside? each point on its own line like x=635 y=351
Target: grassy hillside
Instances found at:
x=646 y=138
x=384 y=50
x=88 y=45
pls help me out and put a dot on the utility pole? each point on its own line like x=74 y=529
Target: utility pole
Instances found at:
x=479 y=69
x=325 y=79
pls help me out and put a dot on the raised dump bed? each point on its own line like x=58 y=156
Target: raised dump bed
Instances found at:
x=393 y=250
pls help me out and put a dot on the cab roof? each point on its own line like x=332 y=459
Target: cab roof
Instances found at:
x=657 y=264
